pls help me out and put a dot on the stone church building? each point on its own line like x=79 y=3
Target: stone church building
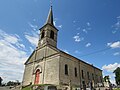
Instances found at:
x=49 y=65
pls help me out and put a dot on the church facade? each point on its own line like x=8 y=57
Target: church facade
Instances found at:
x=49 y=65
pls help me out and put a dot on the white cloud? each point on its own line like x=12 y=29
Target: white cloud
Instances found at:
x=111 y=67
x=55 y=23
x=111 y=76
x=116 y=53
x=33 y=39
x=31 y=49
x=84 y=30
x=11 y=39
x=74 y=21
x=21 y=46
x=60 y=26
x=77 y=52
x=77 y=38
x=114 y=32
x=88 y=24
x=112 y=80
x=12 y=57
x=118 y=17
x=33 y=36
x=87 y=28
x=88 y=45
x=34 y=27
x=114 y=44
x=108 y=44
x=117 y=24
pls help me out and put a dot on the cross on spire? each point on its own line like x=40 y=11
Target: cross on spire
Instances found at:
x=51 y=3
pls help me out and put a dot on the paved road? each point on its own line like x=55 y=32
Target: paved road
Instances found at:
x=4 y=88
x=7 y=88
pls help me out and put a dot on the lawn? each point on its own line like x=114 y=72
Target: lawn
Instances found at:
x=116 y=89
x=27 y=88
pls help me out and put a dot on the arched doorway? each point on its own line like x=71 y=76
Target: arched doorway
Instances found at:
x=37 y=76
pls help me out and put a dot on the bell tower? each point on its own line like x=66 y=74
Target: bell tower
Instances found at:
x=48 y=33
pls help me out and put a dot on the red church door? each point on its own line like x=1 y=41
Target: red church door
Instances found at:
x=37 y=76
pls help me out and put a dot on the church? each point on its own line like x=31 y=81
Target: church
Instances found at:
x=49 y=65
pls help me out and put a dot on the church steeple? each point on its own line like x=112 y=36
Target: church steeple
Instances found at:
x=48 y=33
x=50 y=17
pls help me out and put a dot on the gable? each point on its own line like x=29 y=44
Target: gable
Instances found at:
x=39 y=54
x=31 y=58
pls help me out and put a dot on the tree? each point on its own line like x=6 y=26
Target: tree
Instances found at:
x=117 y=75
x=106 y=79
x=17 y=82
x=12 y=83
x=1 y=81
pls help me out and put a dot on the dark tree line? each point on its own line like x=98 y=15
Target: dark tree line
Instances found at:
x=12 y=83
x=117 y=75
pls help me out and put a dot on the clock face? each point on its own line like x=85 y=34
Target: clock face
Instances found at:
x=41 y=42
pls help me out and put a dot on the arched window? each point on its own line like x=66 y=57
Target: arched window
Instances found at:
x=42 y=35
x=66 y=69
x=75 y=72
x=52 y=34
x=37 y=76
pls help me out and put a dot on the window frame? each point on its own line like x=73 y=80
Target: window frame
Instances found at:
x=88 y=75
x=75 y=69
x=82 y=74
x=42 y=34
x=52 y=34
x=66 y=69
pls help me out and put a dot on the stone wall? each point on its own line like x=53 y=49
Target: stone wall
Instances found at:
x=89 y=71
x=27 y=77
x=51 y=74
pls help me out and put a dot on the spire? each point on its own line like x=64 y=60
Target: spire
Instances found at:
x=50 y=17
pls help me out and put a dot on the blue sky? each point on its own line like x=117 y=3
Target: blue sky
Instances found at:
x=88 y=30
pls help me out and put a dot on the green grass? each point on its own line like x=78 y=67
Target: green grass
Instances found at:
x=117 y=89
x=41 y=84
x=30 y=87
x=27 y=88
